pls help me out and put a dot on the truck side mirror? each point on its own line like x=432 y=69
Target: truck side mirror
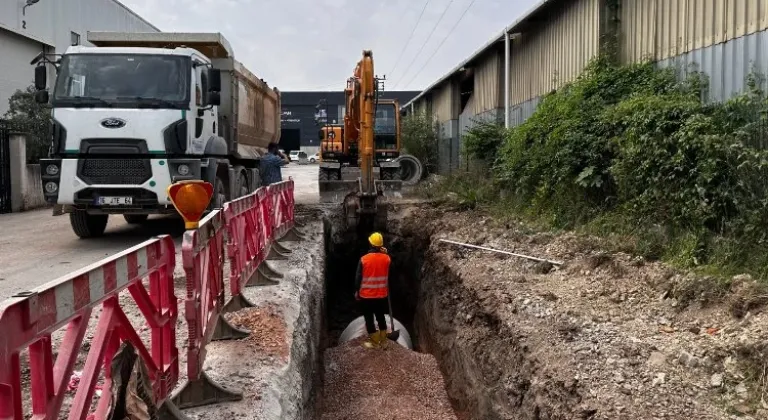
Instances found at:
x=41 y=96
x=214 y=98
x=214 y=85
x=41 y=77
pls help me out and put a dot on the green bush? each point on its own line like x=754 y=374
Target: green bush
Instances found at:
x=419 y=138
x=633 y=151
x=483 y=139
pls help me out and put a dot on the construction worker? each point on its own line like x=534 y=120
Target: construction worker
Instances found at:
x=372 y=290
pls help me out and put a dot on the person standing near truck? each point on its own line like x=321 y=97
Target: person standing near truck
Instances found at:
x=271 y=165
x=372 y=290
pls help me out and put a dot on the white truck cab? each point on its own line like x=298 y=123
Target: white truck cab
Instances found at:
x=130 y=118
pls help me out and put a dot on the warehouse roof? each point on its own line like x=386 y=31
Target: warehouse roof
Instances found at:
x=515 y=27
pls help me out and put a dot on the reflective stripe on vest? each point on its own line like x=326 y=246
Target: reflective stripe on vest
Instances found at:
x=375 y=273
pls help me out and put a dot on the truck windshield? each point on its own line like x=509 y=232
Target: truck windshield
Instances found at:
x=385 y=128
x=123 y=81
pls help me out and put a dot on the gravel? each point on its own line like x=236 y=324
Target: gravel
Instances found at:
x=267 y=330
x=393 y=384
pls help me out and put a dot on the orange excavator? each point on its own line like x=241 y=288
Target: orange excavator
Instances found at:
x=365 y=205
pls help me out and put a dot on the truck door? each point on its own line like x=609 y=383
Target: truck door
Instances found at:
x=205 y=123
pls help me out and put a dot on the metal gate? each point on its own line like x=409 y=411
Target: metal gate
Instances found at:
x=5 y=168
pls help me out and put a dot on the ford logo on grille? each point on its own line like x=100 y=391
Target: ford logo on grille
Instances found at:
x=112 y=123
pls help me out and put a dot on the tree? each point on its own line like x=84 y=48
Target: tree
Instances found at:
x=32 y=118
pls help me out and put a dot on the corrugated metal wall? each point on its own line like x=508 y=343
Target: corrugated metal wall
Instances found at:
x=660 y=29
x=557 y=50
x=442 y=102
x=488 y=78
x=728 y=65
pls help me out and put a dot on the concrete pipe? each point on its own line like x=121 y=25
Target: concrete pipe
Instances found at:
x=356 y=329
x=411 y=169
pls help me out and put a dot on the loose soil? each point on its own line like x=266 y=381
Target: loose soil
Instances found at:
x=267 y=330
x=383 y=384
x=605 y=336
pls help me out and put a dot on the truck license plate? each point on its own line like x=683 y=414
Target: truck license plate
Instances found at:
x=115 y=201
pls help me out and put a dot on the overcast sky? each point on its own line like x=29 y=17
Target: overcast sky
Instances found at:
x=314 y=44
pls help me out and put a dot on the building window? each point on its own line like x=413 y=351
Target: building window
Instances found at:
x=74 y=38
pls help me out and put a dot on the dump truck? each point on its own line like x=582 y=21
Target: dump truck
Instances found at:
x=137 y=112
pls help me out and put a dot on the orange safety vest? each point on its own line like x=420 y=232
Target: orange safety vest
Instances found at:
x=375 y=273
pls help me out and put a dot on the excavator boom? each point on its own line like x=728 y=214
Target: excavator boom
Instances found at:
x=365 y=204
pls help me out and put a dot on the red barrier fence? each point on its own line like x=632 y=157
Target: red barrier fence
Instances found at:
x=253 y=224
x=247 y=244
x=28 y=319
x=282 y=205
x=203 y=256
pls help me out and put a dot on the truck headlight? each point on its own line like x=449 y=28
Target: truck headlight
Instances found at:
x=183 y=170
x=51 y=187
x=52 y=170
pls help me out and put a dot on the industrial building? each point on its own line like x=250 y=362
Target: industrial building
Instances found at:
x=552 y=43
x=28 y=27
x=299 y=129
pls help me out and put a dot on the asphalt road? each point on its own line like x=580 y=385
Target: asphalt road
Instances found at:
x=36 y=247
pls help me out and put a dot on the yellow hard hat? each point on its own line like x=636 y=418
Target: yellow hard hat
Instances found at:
x=376 y=239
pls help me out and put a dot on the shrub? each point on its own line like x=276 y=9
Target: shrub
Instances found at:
x=632 y=150
x=483 y=139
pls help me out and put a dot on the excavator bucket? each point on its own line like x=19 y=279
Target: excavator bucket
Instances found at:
x=366 y=211
x=335 y=190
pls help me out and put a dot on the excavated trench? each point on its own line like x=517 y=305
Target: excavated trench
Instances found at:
x=484 y=368
x=343 y=251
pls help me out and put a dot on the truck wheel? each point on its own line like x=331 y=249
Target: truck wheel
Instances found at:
x=242 y=186
x=219 y=194
x=135 y=219
x=333 y=176
x=322 y=175
x=88 y=225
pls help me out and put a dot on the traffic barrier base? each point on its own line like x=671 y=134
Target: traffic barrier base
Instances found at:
x=281 y=248
x=275 y=255
x=204 y=391
x=271 y=272
x=237 y=303
x=262 y=278
x=293 y=235
x=224 y=330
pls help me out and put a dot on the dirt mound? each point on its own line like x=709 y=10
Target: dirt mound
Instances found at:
x=392 y=384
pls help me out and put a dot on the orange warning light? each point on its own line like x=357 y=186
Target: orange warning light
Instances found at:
x=191 y=199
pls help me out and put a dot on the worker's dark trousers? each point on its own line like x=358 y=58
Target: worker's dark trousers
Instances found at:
x=374 y=308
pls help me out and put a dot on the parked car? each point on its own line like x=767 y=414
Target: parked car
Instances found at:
x=293 y=155
x=314 y=158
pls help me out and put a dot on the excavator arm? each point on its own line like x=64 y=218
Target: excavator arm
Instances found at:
x=365 y=208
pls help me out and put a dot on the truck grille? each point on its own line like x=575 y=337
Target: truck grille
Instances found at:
x=115 y=171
